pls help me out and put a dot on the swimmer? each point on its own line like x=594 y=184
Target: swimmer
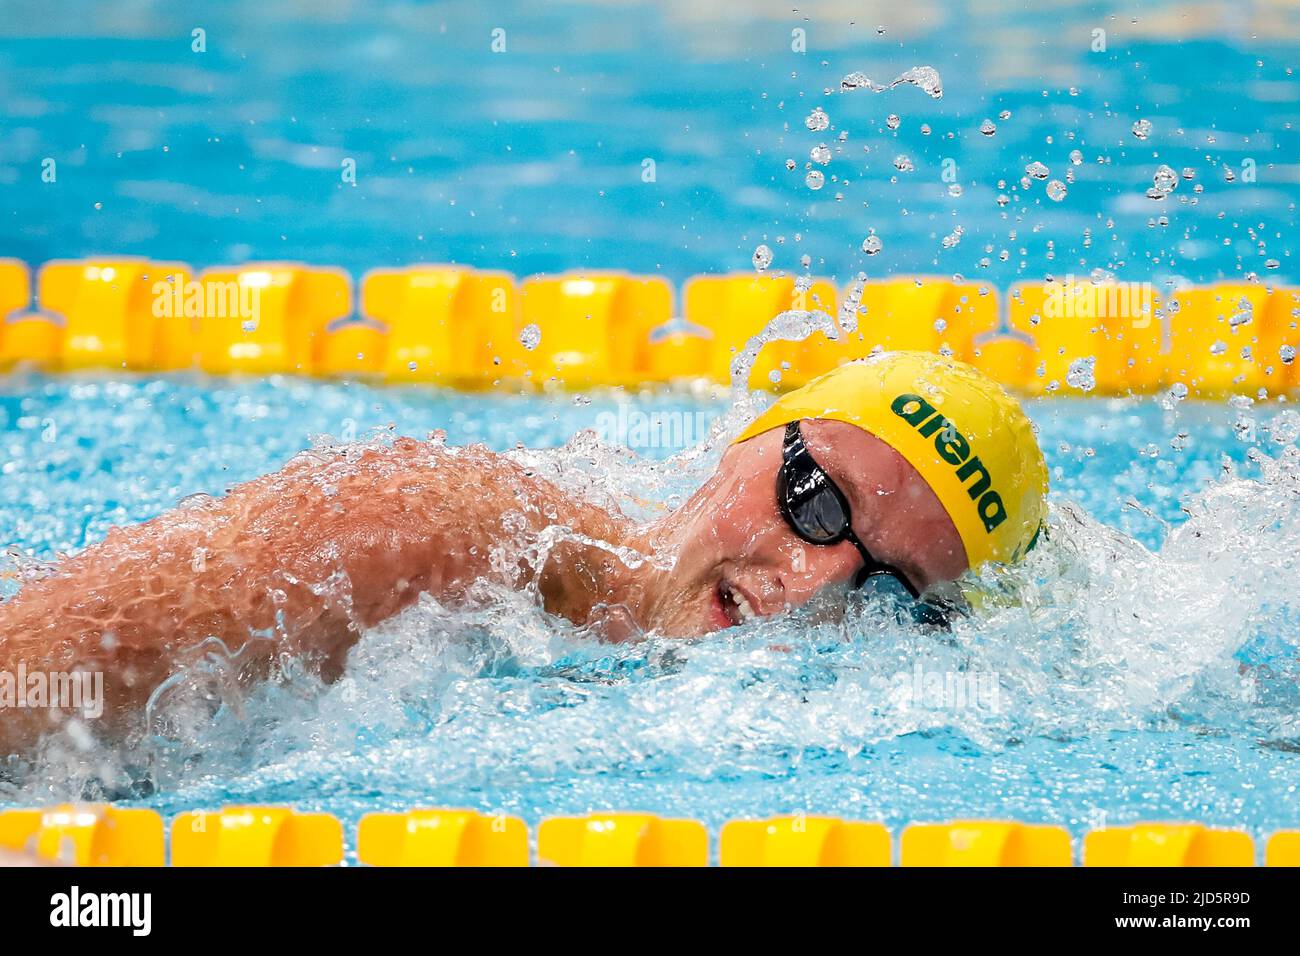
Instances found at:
x=905 y=467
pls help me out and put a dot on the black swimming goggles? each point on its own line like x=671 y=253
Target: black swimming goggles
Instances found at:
x=817 y=511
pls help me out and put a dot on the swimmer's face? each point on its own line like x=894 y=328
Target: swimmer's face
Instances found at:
x=738 y=559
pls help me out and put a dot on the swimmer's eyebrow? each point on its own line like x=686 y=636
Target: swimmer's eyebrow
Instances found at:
x=851 y=486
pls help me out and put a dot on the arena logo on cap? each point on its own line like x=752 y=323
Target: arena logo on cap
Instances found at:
x=953 y=448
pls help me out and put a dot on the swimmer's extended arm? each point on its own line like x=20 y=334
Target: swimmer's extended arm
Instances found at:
x=297 y=561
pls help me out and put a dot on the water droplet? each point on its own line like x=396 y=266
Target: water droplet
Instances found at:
x=1142 y=128
x=903 y=163
x=1286 y=427
x=872 y=244
x=924 y=77
x=1163 y=182
x=1076 y=157
x=892 y=121
x=1036 y=170
x=1243 y=316
x=1081 y=374
x=817 y=120
x=1004 y=115
x=821 y=153
x=1287 y=354
x=1056 y=190
x=987 y=128
x=954 y=189
x=790 y=164
x=530 y=337
x=815 y=179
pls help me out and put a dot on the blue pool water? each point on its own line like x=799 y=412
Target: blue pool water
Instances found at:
x=531 y=159
x=1147 y=668
x=1145 y=661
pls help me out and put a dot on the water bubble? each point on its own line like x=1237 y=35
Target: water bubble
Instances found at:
x=854 y=81
x=892 y=121
x=953 y=238
x=1285 y=428
x=1244 y=314
x=790 y=164
x=1004 y=115
x=817 y=120
x=954 y=189
x=762 y=258
x=530 y=337
x=1189 y=173
x=1142 y=128
x=924 y=77
x=821 y=153
x=1036 y=170
x=987 y=128
x=1082 y=374
x=903 y=163
x=1163 y=182
x=872 y=244
x=1287 y=354
x=815 y=179
x=1076 y=157
x=1003 y=199
x=1056 y=190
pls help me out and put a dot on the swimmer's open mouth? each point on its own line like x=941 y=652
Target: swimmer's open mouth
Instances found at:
x=735 y=606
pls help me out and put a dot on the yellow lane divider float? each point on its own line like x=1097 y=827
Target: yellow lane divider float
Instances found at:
x=1283 y=849
x=441 y=838
x=804 y=841
x=466 y=328
x=85 y=835
x=265 y=836
x=1164 y=844
x=622 y=839
x=256 y=836
x=984 y=843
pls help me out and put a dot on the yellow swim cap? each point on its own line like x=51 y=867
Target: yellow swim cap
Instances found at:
x=959 y=429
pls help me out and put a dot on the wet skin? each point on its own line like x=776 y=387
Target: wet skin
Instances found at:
x=301 y=561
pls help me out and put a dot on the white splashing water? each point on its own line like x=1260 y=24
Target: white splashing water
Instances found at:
x=926 y=78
